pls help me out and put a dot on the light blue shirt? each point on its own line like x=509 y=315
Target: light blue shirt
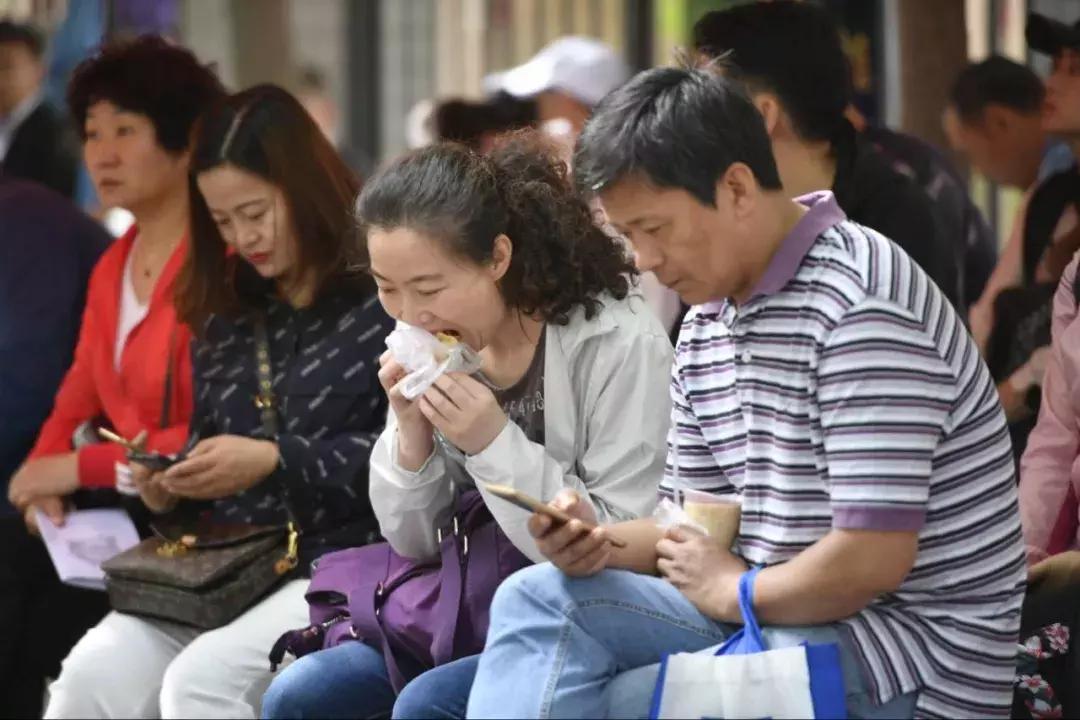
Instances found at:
x=1057 y=157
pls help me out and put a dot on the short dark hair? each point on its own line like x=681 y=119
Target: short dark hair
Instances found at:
x=23 y=34
x=788 y=48
x=150 y=76
x=996 y=81
x=681 y=128
x=561 y=259
x=466 y=122
x=266 y=131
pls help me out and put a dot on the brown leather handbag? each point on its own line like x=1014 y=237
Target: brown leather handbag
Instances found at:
x=209 y=574
x=206 y=578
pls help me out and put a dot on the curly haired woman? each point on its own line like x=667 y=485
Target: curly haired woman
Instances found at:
x=572 y=399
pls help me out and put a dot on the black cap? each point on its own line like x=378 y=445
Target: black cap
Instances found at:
x=1051 y=36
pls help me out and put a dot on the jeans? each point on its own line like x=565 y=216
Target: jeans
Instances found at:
x=589 y=647
x=350 y=681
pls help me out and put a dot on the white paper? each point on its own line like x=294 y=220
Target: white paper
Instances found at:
x=85 y=540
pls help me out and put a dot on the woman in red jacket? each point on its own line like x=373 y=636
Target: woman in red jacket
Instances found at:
x=134 y=104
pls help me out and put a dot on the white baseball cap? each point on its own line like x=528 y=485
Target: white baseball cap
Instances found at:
x=579 y=66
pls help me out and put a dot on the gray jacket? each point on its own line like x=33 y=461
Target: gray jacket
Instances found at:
x=606 y=412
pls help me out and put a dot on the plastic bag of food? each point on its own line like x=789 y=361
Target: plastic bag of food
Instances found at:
x=425 y=357
x=668 y=515
x=717 y=516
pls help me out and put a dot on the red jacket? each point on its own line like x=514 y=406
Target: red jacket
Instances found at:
x=129 y=400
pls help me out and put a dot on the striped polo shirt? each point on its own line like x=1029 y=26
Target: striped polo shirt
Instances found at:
x=846 y=393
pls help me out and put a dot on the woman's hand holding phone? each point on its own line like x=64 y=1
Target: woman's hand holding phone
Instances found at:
x=151 y=487
x=221 y=466
x=572 y=547
x=146 y=476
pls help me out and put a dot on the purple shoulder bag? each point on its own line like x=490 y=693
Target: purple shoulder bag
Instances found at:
x=418 y=614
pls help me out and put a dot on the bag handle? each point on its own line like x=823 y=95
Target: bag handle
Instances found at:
x=746 y=605
x=455 y=556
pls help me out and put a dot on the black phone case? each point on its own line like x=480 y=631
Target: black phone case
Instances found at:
x=155 y=461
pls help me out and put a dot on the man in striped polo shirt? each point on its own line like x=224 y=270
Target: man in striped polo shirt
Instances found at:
x=825 y=380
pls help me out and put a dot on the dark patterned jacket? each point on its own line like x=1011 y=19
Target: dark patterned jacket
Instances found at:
x=331 y=409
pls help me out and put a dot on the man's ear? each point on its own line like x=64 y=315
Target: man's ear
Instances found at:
x=739 y=189
x=769 y=107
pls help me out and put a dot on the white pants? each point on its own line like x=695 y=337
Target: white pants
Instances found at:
x=131 y=667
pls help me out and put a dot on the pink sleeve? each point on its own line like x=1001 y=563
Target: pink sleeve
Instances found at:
x=1046 y=468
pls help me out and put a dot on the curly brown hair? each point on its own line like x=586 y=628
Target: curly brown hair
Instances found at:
x=562 y=259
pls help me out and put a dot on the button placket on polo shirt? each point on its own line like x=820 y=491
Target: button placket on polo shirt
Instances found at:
x=736 y=320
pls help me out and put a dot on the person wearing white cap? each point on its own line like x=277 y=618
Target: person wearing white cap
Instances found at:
x=566 y=78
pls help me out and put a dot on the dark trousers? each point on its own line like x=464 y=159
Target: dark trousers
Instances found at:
x=1046 y=605
x=40 y=619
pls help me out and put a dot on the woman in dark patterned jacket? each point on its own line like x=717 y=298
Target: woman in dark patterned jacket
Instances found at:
x=270 y=228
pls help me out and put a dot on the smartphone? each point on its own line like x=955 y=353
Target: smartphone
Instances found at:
x=153 y=460
x=526 y=502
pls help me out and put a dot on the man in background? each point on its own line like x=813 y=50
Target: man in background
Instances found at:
x=48 y=248
x=35 y=141
x=994 y=118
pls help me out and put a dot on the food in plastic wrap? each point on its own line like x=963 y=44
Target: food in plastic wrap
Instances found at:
x=425 y=357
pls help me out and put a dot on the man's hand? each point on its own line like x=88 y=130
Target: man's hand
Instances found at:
x=570 y=546
x=221 y=466
x=53 y=507
x=706 y=573
x=52 y=476
x=1056 y=571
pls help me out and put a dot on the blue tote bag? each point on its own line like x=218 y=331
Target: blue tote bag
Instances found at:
x=744 y=679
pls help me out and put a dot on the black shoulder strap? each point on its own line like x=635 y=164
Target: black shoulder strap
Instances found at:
x=265 y=401
x=1044 y=210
